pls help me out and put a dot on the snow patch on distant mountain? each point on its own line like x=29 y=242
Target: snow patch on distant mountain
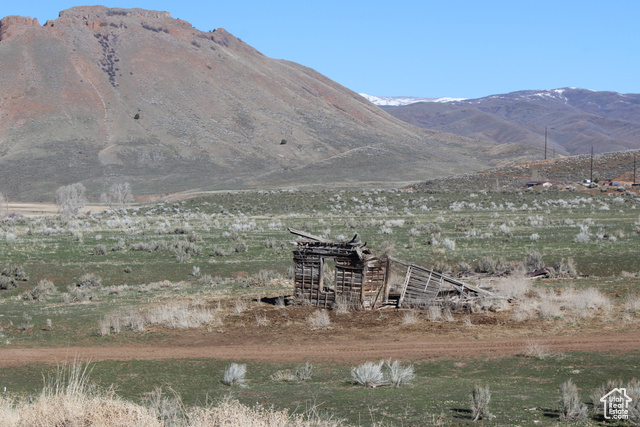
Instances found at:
x=395 y=101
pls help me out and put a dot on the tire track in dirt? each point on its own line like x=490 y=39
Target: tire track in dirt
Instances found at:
x=328 y=350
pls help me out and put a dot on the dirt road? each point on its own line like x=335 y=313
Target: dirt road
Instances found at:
x=328 y=350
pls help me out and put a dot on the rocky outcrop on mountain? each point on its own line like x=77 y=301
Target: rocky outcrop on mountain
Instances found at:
x=102 y=95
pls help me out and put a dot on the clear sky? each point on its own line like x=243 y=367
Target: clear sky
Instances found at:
x=426 y=48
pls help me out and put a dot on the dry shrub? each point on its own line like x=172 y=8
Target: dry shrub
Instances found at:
x=512 y=287
x=492 y=266
x=447 y=315
x=262 y=319
x=398 y=375
x=570 y=405
x=368 y=374
x=601 y=391
x=584 y=302
x=69 y=399
x=239 y=307
x=40 y=291
x=533 y=260
x=206 y=280
x=342 y=305
x=525 y=310
x=285 y=376
x=234 y=374
x=463 y=269
x=230 y=412
x=479 y=400
x=386 y=249
x=183 y=315
x=435 y=313
x=535 y=350
x=550 y=309
x=632 y=303
x=89 y=281
x=319 y=319
x=171 y=315
x=410 y=317
x=302 y=373
x=567 y=268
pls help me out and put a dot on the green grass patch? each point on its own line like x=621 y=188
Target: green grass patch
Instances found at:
x=523 y=390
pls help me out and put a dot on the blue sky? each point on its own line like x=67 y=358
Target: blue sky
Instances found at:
x=456 y=48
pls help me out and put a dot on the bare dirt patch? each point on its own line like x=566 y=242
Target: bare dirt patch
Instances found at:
x=41 y=209
x=284 y=335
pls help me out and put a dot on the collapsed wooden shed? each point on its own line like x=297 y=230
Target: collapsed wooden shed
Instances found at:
x=361 y=279
x=359 y=276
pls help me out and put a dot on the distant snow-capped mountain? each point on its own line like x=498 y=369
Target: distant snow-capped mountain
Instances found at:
x=395 y=101
x=574 y=120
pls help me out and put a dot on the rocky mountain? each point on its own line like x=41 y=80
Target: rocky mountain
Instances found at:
x=104 y=95
x=576 y=119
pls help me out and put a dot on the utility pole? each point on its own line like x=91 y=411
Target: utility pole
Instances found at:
x=545 y=143
x=591 y=176
x=634 y=168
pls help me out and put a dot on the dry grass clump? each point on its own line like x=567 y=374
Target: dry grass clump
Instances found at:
x=262 y=319
x=435 y=313
x=552 y=304
x=69 y=399
x=183 y=315
x=319 y=319
x=512 y=287
x=549 y=308
x=239 y=307
x=632 y=303
x=533 y=260
x=410 y=317
x=302 y=373
x=342 y=305
x=447 y=314
x=535 y=350
x=179 y=314
x=567 y=268
x=585 y=301
x=206 y=280
x=398 y=375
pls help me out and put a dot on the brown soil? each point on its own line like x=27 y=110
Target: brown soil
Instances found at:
x=357 y=336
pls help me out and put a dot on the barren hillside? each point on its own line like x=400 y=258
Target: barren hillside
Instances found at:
x=102 y=95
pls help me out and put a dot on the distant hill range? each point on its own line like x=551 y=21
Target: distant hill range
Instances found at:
x=103 y=95
x=576 y=119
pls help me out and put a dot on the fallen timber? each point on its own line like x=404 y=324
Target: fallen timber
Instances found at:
x=361 y=278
